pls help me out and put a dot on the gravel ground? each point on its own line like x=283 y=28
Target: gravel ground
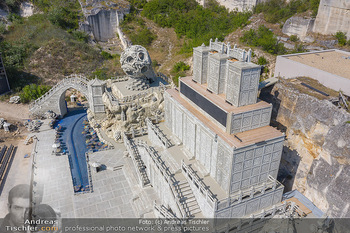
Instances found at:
x=333 y=62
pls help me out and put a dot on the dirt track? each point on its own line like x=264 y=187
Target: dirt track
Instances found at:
x=13 y=111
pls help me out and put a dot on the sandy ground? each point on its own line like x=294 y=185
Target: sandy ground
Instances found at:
x=21 y=167
x=14 y=111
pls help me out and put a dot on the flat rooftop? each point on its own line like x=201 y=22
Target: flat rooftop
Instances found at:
x=219 y=100
x=241 y=139
x=332 y=61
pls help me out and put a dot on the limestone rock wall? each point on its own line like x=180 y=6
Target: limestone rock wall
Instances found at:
x=126 y=116
x=333 y=16
x=317 y=153
x=298 y=26
x=103 y=17
x=240 y=5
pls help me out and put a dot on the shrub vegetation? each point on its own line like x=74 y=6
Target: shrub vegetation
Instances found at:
x=33 y=92
x=196 y=23
x=26 y=36
x=179 y=70
x=263 y=38
x=262 y=61
x=341 y=37
x=279 y=10
x=134 y=26
x=294 y=38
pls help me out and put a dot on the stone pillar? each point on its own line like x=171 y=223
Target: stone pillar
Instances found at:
x=200 y=63
x=72 y=98
x=217 y=72
x=96 y=88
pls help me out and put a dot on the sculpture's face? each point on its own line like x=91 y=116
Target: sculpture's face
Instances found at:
x=135 y=61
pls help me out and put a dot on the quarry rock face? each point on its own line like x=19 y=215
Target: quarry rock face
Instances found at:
x=333 y=16
x=316 y=158
x=26 y=9
x=103 y=17
x=239 y=5
x=298 y=26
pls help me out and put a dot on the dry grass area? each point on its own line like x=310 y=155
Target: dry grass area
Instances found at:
x=165 y=49
x=296 y=83
x=58 y=59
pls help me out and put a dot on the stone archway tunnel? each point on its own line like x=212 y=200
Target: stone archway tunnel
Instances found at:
x=54 y=99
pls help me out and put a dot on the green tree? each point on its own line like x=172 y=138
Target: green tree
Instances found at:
x=13 y=5
x=80 y=36
x=294 y=38
x=180 y=66
x=196 y=23
x=142 y=37
x=179 y=70
x=264 y=38
x=262 y=61
x=33 y=92
x=63 y=17
x=341 y=37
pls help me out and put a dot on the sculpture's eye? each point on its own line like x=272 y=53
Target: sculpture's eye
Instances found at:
x=129 y=59
x=144 y=69
x=129 y=72
x=141 y=56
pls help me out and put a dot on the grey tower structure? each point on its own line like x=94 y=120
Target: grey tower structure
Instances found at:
x=4 y=83
x=96 y=89
x=224 y=127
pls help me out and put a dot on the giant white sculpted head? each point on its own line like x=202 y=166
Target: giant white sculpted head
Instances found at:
x=136 y=61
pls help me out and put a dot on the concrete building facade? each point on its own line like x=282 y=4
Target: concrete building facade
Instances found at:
x=330 y=67
x=224 y=127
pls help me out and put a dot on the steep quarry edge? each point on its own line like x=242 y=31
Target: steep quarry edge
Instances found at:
x=316 y=157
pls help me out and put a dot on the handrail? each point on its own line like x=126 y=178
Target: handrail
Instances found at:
x=167 y=175
x=136 y=163
x=164 y=211
x=249 y=193
x=89 y=172
x=75 y=79
x=120 y=78
x=165 y=141
x=240 y=223
x=201 y=186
